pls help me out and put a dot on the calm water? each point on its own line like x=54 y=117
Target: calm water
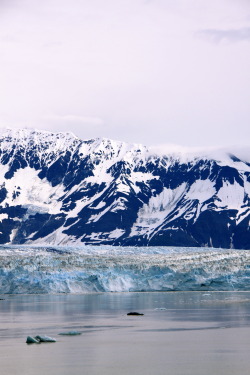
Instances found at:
x=181 y=333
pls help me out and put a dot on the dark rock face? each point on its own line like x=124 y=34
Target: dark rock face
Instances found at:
x=57 y=189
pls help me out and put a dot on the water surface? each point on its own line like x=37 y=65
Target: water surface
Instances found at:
x=181 y=333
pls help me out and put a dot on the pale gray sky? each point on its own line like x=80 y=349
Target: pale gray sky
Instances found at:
x=147 y=71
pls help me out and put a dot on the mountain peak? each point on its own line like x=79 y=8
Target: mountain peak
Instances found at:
x=58 y=189
x=23 y=133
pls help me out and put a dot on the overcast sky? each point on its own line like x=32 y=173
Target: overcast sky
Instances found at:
x=144 y=71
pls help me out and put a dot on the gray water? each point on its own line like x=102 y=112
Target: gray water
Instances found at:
x=181 y=333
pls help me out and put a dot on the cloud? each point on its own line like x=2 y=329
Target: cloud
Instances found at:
x=129 y=70
x=219 y=153
x=7 y=38
x=229 y=35
x=175 y=149
x=76 y=119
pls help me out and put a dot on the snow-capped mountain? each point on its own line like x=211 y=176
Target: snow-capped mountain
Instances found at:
x=58 y=189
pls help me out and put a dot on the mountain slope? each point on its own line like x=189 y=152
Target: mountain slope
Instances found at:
x=58 y=189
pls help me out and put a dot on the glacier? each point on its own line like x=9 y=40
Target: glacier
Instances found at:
x=26 y=269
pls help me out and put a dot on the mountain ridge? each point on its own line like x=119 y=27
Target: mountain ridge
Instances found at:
x=58 y=189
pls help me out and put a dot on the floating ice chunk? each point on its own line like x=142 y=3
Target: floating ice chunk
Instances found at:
x=70 y=333
x=32 y=340
x=160 y=308
x=44 y=338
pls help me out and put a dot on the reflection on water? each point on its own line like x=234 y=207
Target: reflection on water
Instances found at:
x=184 y=332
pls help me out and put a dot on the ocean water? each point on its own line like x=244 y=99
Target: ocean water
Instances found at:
x=86 y=269
x=195 y=301
x=180 y=333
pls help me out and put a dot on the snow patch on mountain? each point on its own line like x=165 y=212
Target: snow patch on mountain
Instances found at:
x=156 y=211
x=27 y=189
x=230 y=196
x=202 y=190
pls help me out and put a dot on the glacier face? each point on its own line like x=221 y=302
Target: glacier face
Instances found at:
x=57 y=189
x=29 y=269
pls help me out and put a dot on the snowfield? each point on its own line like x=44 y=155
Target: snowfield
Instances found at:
x=56 y=189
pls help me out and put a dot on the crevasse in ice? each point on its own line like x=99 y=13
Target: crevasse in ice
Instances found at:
x=29 y=269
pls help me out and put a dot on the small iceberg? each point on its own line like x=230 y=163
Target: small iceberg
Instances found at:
x=160 y=308
x=39 y=338
x=32 y=340
x=44 y=338
x=70 y=333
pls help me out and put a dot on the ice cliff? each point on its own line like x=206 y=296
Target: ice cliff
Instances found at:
x=114 y=269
